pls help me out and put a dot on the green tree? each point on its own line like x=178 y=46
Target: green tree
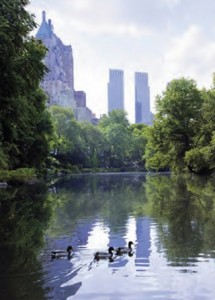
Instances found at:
x=116 y=130
x=25 y=125
x=175 y=127
x=68 y=143
x=138 y=145
x=201 y=159
x=94 y=145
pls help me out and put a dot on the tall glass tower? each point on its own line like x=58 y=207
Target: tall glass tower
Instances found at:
x=115 y=90
x=142 y=99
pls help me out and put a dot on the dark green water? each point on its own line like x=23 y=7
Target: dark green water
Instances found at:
x=170 y=219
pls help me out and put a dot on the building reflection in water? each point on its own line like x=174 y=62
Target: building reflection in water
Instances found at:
x=119 y=239
x=143 y=244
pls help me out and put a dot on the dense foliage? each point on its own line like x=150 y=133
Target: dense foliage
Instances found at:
x=25 y=125
x=182 y=137
x=114 y=143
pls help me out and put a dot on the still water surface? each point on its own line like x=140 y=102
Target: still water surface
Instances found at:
x=170 y=220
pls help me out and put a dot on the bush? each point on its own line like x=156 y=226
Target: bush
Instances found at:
x=21 y=175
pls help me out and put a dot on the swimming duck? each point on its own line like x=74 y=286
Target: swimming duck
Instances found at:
x=63 y=253
x=123 y=250
x=104 y=255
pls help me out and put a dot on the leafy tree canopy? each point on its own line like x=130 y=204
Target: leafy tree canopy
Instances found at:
x=182 y=135
x=25 y=125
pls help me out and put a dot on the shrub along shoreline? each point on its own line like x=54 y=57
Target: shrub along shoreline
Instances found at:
x=31 y=176
x=18 y=176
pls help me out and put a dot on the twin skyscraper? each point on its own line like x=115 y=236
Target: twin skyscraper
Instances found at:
x=142 y=95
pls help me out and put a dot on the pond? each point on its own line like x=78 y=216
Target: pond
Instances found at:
x=170 y=220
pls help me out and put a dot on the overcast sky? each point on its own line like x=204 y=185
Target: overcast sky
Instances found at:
x=165 y=38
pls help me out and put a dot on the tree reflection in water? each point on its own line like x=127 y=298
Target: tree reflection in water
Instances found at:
x=24 y=216
x=184 y=209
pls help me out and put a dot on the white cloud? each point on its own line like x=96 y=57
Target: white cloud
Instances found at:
x=190 y=55
x=81 y=5
x=171 y=3
x=125 y=29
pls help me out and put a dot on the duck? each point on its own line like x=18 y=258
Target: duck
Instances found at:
x=62 y=253
x=123 y=250
x=104 y=255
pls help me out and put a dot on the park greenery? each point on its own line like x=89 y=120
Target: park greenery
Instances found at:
x=114 y=143
x=182 y=137
x=38 y=139
x=25 y=123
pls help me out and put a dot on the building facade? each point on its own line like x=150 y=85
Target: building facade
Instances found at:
x=142 y=99
x=82 y=112
x=58 y=83
x=115 y=90
x=80 y=97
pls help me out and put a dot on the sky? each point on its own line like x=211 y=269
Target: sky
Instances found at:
x=167 y=39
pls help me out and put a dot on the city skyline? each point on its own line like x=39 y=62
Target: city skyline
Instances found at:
x=167 y=39
x=59 y=81
x=115 y=95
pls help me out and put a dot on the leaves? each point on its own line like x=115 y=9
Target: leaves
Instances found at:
x=25 y=125
x=181 y=138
